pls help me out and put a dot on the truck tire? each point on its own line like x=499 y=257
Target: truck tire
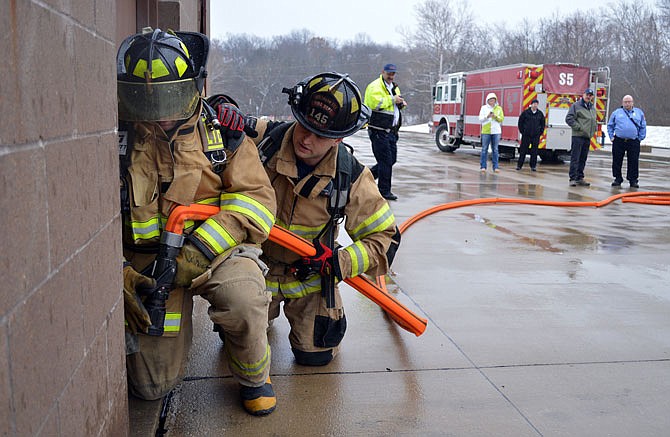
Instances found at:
x=549 y=156
x=506 y=152
x=445 y=142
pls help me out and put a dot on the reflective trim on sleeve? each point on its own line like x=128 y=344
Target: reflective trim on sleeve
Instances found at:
x=146 y=230
x=295 y=289
x=216 y=236
x=360 y=261
x=249 y=207
x=172 y=322
x=249 y=369
x=377 y=222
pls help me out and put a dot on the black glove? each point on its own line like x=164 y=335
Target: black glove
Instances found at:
x=232 y=124
x=324 y=262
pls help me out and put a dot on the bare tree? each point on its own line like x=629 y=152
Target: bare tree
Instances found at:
x=442 y=28
x=639 y=50
x=631 y=37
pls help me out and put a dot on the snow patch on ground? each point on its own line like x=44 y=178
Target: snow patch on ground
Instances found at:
x=657 y=136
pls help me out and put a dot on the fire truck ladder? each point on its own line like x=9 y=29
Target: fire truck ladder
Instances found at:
x=600 y=78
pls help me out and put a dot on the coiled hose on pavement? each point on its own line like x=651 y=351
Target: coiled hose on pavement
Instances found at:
x=646 y=197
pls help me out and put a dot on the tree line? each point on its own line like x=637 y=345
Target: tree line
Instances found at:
x=632 y=38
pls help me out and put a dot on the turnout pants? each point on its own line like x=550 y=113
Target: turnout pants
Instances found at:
x=385 y=149
x=316 y=331
x=631 y=148
x=239 y=304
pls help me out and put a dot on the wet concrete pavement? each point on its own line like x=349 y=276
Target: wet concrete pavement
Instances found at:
x=543 y=321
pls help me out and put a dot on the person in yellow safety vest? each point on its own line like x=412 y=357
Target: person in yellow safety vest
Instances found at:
x=305 y=170
x=383 y=97
x=173 y=157
x=491 y=117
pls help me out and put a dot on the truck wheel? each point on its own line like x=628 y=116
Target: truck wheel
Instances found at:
x=549 y=156
x=444 y=141
x=506 y=152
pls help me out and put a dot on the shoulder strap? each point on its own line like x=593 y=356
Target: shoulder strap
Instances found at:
x=347 y=172
x=272 y=139
x=631 y=119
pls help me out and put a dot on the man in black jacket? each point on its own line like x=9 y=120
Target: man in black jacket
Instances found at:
x=531 y=126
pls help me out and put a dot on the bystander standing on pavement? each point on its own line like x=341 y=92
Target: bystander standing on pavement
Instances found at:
x=581 y=117
x=531 y=126
x=491 y=117
x=383 y=97
x=626 y=128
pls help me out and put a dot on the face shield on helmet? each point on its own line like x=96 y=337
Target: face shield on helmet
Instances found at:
x=328 y=105
x=160 y=75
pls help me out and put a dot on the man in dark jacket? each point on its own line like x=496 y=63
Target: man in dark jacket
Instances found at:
x=581 y=117
x=531 y=126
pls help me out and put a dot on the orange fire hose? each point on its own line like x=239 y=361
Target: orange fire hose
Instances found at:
x=644 y=197
x=396 y=310
x=180 y=214
x=650 y=197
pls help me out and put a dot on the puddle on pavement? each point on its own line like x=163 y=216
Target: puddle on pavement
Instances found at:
x=570 y=237
x=543 y=244
x=599 y=243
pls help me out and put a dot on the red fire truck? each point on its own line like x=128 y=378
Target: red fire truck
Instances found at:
x=458 y=97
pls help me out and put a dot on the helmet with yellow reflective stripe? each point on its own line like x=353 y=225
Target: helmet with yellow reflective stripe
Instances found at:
x=328 y=105
x=160 y=75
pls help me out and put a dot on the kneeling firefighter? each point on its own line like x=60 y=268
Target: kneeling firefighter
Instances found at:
x=318 y=184
x=174 y=152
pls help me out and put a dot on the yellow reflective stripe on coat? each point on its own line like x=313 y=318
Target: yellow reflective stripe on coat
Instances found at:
x=214 y=201
x=306 y=232
x=360 y=261
x=295 y=289
x=153 y=227
x=377 y=222
x=172 y=322
x=250 y=208
x=146 y=230
x=216 y=236
x=249 y=369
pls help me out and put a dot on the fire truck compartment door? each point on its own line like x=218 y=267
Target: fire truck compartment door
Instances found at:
x=556 y=117
x=559 y=134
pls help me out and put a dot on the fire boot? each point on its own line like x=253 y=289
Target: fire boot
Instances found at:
x=259 y=401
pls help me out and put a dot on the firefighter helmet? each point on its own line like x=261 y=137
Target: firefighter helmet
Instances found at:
x=328 y=105
x=160 y=75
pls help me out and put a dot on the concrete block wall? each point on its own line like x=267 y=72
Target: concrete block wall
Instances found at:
x=62 y=368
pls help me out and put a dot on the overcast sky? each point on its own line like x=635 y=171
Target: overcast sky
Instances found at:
x=380 y=20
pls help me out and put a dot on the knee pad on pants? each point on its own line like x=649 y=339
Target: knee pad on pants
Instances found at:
x=320 y=358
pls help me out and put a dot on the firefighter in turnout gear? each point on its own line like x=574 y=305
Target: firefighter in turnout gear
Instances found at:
x=318 y=183
x=172 y=155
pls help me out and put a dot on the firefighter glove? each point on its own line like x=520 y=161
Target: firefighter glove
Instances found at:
x=232 y=124
x=324 y=263
x=134 y=285
x=191 y=263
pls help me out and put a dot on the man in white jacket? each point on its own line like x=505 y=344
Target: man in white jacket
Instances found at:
x=491 y=117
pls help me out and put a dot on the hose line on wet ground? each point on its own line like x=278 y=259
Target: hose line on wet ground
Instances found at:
x=644 y=197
